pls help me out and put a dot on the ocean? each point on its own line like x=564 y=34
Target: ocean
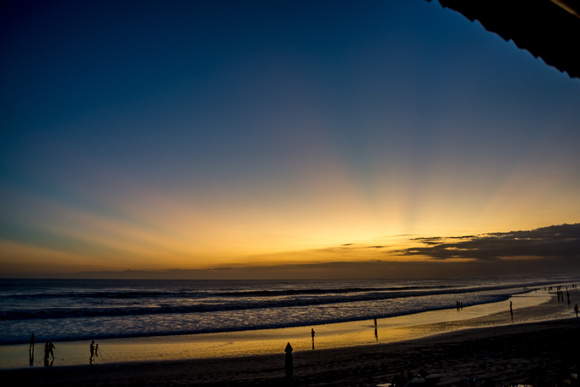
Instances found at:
x=71 y=310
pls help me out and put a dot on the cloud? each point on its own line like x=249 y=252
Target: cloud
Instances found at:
x=561 y=241
x=547 y=250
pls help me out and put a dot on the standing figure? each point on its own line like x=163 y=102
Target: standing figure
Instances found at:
x=46 y=354
x=31 y=348
x=312 y=334
x=31 y=351
x=289 y=364
x=51 y=349
x=511 y=311
x=92 y=349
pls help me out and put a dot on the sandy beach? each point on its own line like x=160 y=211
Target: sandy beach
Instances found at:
x=539 y=348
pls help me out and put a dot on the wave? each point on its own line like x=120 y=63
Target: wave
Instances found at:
x=320 y=291
x=200 y=293
x=129 y=327
x=250 y=301
x=185 y=293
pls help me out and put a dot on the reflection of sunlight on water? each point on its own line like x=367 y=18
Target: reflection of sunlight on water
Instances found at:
x=273 y=341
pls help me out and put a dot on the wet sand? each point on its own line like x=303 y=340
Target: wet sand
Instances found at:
x=486 y=348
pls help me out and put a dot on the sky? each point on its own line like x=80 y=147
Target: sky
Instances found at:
x=266 y=137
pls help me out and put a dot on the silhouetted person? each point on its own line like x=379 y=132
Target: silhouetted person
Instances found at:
x=289 y=364
x=312 y=334
x=31 y=348
x=376 y=330
x=92 y=348
x=97 y=350
x=51 y=347
x=31 y=358
x=511 y=311
x=46 y=354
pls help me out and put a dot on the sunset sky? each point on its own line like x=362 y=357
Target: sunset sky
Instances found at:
x=158 y=135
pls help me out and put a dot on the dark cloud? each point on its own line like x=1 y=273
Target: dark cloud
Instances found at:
x=427 y=239
x=562 y=241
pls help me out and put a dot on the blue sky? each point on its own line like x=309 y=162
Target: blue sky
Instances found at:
x=156 y=135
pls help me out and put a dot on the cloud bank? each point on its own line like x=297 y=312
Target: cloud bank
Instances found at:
x=553 y=242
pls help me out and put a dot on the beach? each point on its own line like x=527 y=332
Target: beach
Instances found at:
x=538 y=348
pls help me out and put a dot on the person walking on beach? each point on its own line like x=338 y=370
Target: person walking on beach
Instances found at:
x=31 y=348
x=50 y=346
x=312 y=334
x=289 y=363
x=92 y=349
x=511 y=311
x=48 y=351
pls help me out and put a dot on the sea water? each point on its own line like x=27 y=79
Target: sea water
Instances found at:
x=69 y=310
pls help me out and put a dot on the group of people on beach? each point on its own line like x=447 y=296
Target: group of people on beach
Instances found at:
x=560 y=294
x=49 y=352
